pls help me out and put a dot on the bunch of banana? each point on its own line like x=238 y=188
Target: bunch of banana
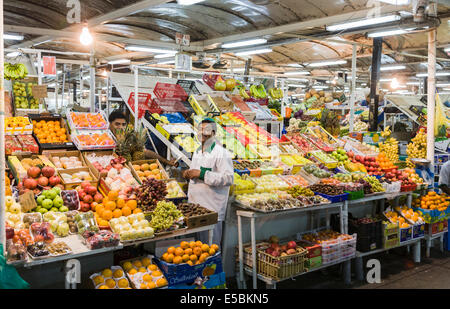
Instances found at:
x=243 y=93
x=386 y=132
x=15 y=71
x=258 y=92
x=276 y=93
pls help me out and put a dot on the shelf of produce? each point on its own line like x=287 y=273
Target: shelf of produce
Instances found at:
x=78 y=248
x=254 y=214
x=272 y=282
x=180 y=232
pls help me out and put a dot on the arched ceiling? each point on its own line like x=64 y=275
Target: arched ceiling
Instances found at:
x=214 y=19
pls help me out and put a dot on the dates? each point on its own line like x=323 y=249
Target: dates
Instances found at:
x=327 y=189
x=192 y=210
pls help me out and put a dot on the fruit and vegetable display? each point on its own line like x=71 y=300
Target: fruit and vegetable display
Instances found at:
x=151 y=170
x=110 y=278
x=410 y=215
x=394 y=217
x=432 y=201
x=390 y=148
x=373 y=165
x=87 y=141
x=150 y=193
x=58 y=223
x=121 y=180
x=246 y=164
x=174 y=190
x=316 y=171
x=418 y=146
x=188 y=143
x=298 y=190
x=295 y=180
x=268 y=183
x=104 y=162
x=133 y=227
x=276 y=249
x=166 y=216
x=384 y=162
x=101 y=239
x=83 y=121
x=58 y=248
x=302 y=143
x=77 y=177
x=87 y=196
x=38 y=179
x=191 y=253
x=67 y=162
x=38 y=250
x=86 y=222
x=327 y=189
x=50 y=131
x=340 y=155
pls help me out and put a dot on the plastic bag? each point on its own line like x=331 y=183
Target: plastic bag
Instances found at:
x=9 y=278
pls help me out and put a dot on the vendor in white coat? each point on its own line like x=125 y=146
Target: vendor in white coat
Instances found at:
x=211 y=176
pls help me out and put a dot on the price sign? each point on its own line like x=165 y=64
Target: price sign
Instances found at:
x=49 y=65
x=183 y=62
x=39 y=91
x=183 y=39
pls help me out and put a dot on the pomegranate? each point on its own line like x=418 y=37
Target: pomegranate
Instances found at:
x=48 y=171
x=30 y=183
x=82 y=195
x=85 y=184
x=43 y=181
x=84 y=207
x=91 y=190
x=33 y=172
x=98 y=197
x=88 y=199
x=54 y=180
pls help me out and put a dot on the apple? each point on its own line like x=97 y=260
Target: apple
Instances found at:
x=51 y=194
x=58 y=202
x=47 y=203
x=40 y=199
x=292 y=244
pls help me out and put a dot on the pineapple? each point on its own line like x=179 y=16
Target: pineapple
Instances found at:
x=124 y=143
x=130 y=144
x=139 y=146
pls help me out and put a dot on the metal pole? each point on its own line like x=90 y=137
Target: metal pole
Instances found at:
x=81 y=85
x=92 y=81
x=108 y=95
x=431 y=95
x=353 y=96
x=63 y=89
x=136 y=97
x=283 y=100
x=56 y=92
x=374 y=78
x=39 y=59
x=2 y=137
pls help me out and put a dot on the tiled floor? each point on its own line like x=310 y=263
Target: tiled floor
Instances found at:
x=398 y=271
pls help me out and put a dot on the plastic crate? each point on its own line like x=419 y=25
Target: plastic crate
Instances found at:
x=366 y=244
x=354 y=195
x=188 y=86
x=144 y=100
x=168 y=106
x=170 y=91
x=334 y=198
x=348 y=247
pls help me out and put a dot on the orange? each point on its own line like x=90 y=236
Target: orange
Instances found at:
x=153 y=166
x=190 y=262
x=161 y=282
x=203 y=257
x=193 y=258
x=147 y=278
x=164 y=256
x=117 y=213
x=152 y=267
x=126 y=211
x=212 y=251
x=184 y=245
x=110 y=205
x=179 y=251
x=170 y=258
x=151 y=285
x=99 y=209
x=192 y=244
x=102 y=222
x=215 y=247
x=188 y=251
x=197 y=251
x=198 y=243
x=143 y=286
x=205 y=248
x=185 y=258
x=120 y=203
x=171 y=250
x=105 y=200
x=132 y=204
x=156 y=274
x=177 y=260
x=137 y=210
x=132 y=271
x=113 y=195
x=107 y=214
x=198 y=262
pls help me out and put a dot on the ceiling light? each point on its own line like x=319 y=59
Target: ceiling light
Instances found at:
x=86 y=37
x=119 y=61
x=296 y=86
x=13 y=54
x=296 y=73
x=150 y=49
x=437 y=74
x=386 y=33
x=159 y=56
x=299 y=79
x=254 y=52
x=15 y=37
x=392 y=67
x=363 y=22
x=244 y=43
x=167 y=62
x=447 y=49
x=327 y=63
x=395 y=2
x=394 y=83
x=383 y=80
x=188 y=2
x=413 y=83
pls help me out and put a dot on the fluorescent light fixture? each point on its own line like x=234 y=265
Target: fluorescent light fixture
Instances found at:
x=413 y=83
x=12 y=54
x=188 y=2
x=296 y=86
x=364 y=84
x=395 y=2
x=244 y=43
x=296 y=73
x=15 y=37
x=386 y=33
x=394 y=83
x=437 y=74
x=58 y=72
x=349 y=77
x=167 y=62
x=51 y=85
x=254 y=52
x=385 y=80
x=160 y=56
x=150 y=49
x=363 y=22
x=119 y=61
x=327 y=63
x=86 y=77
x=392 y=67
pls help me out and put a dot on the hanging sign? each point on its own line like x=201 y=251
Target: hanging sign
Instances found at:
x=183 y=39
x=183 y=62
x=49 y=65
x=39 y=91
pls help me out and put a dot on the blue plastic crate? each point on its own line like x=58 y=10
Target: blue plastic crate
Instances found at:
x=334 y=198
x=175 y=117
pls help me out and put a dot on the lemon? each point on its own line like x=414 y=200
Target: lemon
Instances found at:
x=98 y=280
x=107 y=273
x=127 y=266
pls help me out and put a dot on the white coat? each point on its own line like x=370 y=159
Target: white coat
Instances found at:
x=211 y=190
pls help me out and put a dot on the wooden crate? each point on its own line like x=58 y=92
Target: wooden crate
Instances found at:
x=73 y=185
x=70 y=153
x=202 y=220
x=150 y=161
x=93 y=170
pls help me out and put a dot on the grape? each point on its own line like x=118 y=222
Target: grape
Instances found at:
x=151 y=191
x=164 y=215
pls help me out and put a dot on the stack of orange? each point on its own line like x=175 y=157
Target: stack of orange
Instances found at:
x=432 y=201
x=192 y=253
x=96 y=120
x=113 y=207
x=395 y=218
x=49 y=131
x=384 y=161
x=95 y=139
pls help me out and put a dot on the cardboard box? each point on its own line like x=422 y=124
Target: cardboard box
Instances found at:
x=216 y=281
x=314 y=250
x=356 y=135
x=184 y=273
x=436 y=227
x=391 y=235
x=72 y=185
x=70 y=153
x=405 y=234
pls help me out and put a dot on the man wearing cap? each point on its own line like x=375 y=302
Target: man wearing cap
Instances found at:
x=211 y=176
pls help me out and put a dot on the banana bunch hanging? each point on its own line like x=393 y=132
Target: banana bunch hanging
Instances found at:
x=243 y=93
x=258 y=92
x=276 y=93
x=15 y=71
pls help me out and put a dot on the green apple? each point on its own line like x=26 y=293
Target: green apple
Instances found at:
x=54 y=209
x=51 y=194
x=47 y=203
x=63 y=209
x=43 y=210
x=37 y=208
x=58 y=201
x=40 y=199
x=57 y=189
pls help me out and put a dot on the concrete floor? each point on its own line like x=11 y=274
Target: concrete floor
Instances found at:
x=398 y=271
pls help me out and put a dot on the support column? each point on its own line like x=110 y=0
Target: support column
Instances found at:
x=431 y=95
x=374 y=78
x=136 y=97
x=353 y=96
x=283 y=100
x=248 y=64
x=2 y=136
x=92 y=81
